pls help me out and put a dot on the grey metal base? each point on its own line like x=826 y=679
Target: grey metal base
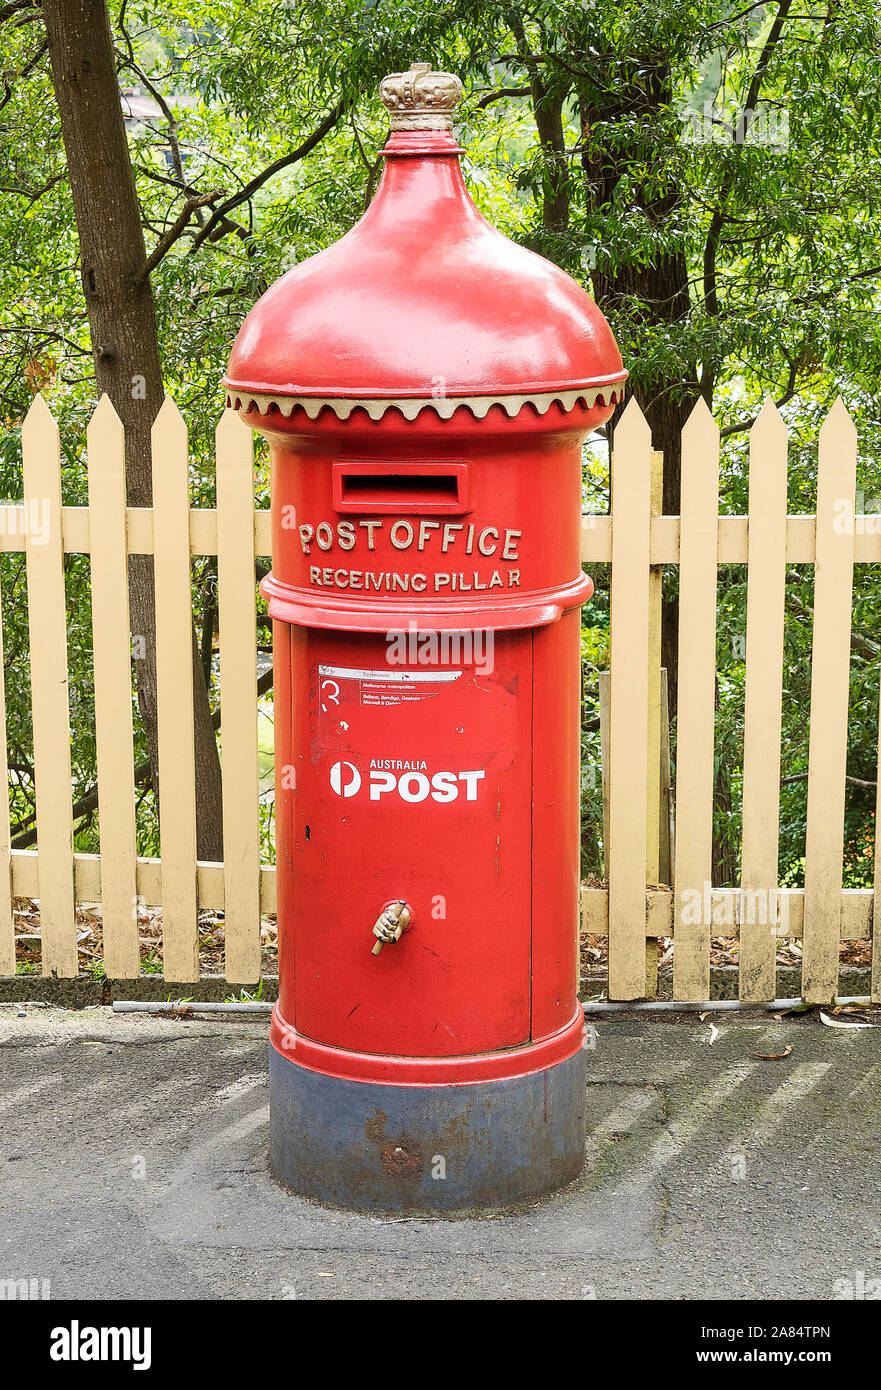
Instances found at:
x=425 y=1148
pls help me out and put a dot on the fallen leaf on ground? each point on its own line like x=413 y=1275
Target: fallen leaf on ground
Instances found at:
x=772 y=1056
x=840 y=1023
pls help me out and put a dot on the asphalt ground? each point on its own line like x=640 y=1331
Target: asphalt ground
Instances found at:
x=133 y=1165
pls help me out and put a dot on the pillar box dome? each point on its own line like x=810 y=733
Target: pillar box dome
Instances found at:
x=423 y=305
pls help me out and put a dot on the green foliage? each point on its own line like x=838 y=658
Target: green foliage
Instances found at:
x=779 y=240
x=246 y=996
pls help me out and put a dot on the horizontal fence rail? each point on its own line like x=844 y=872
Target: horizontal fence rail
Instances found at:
x=635 y=907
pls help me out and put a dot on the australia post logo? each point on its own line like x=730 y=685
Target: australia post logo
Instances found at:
x=410 y=780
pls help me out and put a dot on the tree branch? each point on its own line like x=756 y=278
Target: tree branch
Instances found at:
x=851 y=781
x=32 y=195
x=372 y=168
x=732 y=19
x=15 y=7
x=177 y=228
x=711 y=246
x=500 y=94
x=25 y=72
x=46 y=335
x=860 y=642
x=228 y=224
x=781 y=400
x=157 y=95
x=269 y=172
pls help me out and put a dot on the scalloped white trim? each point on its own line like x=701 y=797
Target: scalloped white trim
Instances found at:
x=443 y=406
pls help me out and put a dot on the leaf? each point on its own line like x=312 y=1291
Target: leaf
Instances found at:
x=714 y=1034
x=840 y=1023
x=772 y=1056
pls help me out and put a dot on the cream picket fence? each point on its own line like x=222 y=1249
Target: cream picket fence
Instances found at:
x=172 y=532
x=635 y=541
x=634 y=538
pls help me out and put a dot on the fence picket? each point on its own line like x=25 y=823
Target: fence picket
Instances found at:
x=654 y=735
x=628 y=717
x=695 y=721
x=238 y=698
x=876 y=895
x=830 y=689
x=113 y=692
x=766 y=587
x=174 y=682
x=7 y=923
x=47 y=627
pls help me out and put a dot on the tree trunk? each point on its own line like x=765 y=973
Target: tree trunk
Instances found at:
x=661 y=288
x=125 y=345
x=548 y=109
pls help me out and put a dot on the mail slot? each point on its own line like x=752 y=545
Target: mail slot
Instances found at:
x=402 y=488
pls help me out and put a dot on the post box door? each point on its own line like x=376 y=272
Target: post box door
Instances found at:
x=413 y=780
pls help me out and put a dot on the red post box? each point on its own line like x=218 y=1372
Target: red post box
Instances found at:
x=426 y=386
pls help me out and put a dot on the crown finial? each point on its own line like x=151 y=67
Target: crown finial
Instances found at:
x=421 y=99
